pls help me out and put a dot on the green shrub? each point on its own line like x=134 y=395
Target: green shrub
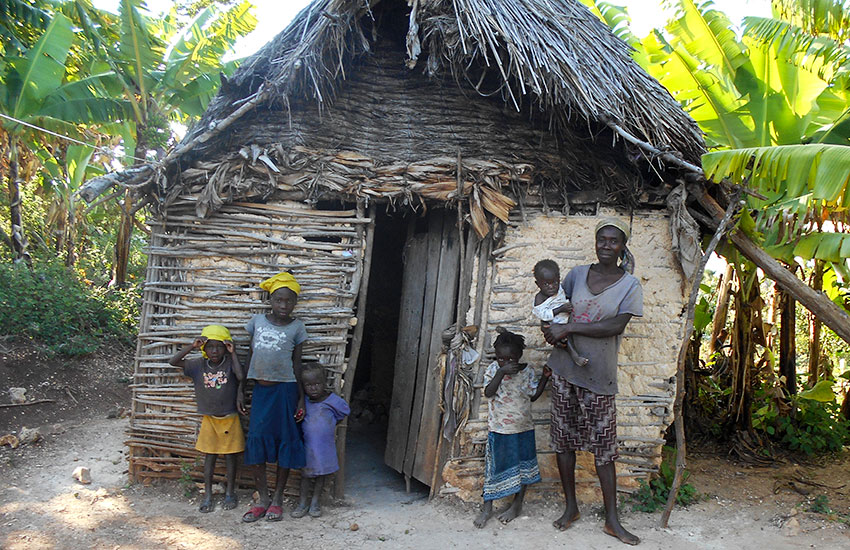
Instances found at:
x=809 y=421
x=652 y=496
x=52 y=305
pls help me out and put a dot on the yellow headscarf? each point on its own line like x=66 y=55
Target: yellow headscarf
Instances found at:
x=628 y=259
x=214 y=332
x=281 y=280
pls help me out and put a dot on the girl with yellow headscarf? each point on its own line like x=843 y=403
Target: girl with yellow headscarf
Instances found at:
x=218 y=378
x=277 y=405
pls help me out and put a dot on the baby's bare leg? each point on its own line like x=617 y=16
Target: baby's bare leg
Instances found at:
x=577 y=359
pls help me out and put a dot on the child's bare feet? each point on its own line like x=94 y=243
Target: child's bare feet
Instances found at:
x=485 y=515
x=620 y=532
x=300 y=511
x=511 y=513
x=315 y=510
x=566 y=520
x=206 y=506
x=230 y=502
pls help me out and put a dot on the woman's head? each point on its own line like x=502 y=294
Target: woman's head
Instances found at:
x=547 y=276
x=612 y=234
x=508 y=347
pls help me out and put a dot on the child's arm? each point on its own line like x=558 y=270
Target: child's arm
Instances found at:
x=563 y=308
x=541 y=384
x=296 y=366
x=509 y=369
x=239 y=373
x=177 y=360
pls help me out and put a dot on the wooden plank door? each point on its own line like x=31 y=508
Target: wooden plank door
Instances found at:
x=428 y=298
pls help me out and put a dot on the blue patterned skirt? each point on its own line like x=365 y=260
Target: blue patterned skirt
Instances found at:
x=273 y=434
x=509 y=463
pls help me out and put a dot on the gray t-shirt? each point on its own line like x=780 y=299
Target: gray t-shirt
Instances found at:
x=215 y=385
x=623 y=296
x=271 y=348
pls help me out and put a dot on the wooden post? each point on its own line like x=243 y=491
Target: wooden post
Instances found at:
x=356 y=339
x=722 y=309
x=833 y=316
x=681 y=447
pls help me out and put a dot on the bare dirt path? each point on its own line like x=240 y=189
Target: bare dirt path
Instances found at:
x=41 y=507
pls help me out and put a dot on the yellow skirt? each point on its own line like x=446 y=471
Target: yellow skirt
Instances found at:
x=220 y=435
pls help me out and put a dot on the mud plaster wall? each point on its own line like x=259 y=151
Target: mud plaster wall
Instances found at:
x=647 y=361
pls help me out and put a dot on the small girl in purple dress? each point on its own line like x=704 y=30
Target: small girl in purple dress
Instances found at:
x=324 y=410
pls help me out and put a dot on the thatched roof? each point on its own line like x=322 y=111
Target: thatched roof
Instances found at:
x=550 y=57
x=555 y=51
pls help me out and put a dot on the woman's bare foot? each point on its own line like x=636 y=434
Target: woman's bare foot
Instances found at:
x=566 y=520
x=485 y=515
x=620 y=532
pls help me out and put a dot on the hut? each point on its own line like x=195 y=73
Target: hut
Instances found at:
x=410 y=161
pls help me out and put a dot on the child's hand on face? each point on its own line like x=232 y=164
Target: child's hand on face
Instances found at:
x=199 y=342
x=511 y=368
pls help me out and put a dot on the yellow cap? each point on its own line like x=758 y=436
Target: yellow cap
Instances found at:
x=281 y=280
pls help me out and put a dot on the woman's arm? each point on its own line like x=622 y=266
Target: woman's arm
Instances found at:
x=598 y=329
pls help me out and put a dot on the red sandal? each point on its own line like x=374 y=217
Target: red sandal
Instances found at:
x=275 y=513
x=255 y=513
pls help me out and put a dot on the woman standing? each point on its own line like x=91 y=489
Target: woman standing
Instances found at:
x=605 y=296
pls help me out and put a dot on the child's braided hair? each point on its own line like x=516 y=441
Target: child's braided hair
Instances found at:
x=509 y=339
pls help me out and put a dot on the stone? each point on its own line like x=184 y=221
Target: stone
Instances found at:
x=30 y=435
x=18 y=395
x=82 y=475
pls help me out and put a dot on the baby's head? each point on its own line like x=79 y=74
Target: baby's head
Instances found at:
x=547 y=276
x=508 y=347
x=314 y=380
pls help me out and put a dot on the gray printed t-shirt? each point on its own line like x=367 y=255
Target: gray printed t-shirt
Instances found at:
x=271 y=348
x=215 y=385
x=623 y=296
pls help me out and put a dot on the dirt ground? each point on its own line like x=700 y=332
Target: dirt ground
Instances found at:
x=42 y=507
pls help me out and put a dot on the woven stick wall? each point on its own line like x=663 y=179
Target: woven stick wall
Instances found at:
x=207 y=271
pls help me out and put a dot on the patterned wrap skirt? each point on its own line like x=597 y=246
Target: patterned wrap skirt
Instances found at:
x=583 y=421
x=273 y=434
x=509 y=463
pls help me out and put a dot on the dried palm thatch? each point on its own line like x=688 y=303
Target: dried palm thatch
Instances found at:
x=548 y=57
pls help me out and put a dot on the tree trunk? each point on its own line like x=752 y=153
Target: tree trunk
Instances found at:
x=833 y=316
x=743 y=348
x=17 y=237
x=124 y=235
x=721 y=311
x=815 y=328
x=787 y=341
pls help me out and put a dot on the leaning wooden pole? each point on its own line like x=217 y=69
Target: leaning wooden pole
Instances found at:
x=681 y=448
x=830 y=314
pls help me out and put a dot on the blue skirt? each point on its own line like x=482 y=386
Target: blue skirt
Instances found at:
x=509 y=463
x=273 y=434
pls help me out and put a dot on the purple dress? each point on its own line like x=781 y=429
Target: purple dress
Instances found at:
x=319 y=428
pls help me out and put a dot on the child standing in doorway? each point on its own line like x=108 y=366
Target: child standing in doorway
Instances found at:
x=277 y=405
x=218 y=379
x=324 y=410
x=510 y=462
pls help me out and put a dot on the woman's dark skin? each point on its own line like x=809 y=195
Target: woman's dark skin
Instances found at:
x=610 y=243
